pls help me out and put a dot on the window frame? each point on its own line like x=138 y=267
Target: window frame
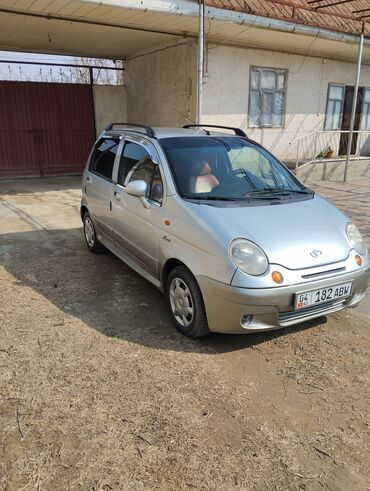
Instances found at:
x=121 y=150
x=333 y=84
x=107 y=137
x=277 y=70
x=152 y=154
x=366 y=88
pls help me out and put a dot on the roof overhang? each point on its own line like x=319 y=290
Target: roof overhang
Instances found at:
x=116 y=29
x=350 y=16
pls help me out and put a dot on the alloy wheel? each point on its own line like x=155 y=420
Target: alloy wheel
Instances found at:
x=89 y=231
x=181 y=301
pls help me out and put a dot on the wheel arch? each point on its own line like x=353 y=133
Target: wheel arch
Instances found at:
x=199 y=324
x=83 y=210
x=168 y=267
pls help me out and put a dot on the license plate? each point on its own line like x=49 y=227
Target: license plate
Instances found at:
x=314 y=297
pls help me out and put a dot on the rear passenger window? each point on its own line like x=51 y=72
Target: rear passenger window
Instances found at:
x=102 y=160
x=132 y=153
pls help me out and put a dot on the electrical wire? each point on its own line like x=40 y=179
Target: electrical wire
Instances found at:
x=182 y=43
x=227 y=41
x=305 y=56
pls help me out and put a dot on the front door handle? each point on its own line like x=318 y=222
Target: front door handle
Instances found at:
x=117 y=196
x=88 y=179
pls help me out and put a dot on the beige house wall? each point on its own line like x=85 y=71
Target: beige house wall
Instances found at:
x=226 y=92
x=162 y=90
x=110 y=105
x=161 y=87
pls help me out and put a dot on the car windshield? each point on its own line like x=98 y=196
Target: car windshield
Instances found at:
x=227 y=168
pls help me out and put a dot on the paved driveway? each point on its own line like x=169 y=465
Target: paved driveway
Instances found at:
x=354 y=200
x=98 y=391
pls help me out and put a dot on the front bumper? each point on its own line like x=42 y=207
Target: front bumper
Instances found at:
x=273 y=308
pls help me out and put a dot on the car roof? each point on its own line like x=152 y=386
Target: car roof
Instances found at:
x=166 y=132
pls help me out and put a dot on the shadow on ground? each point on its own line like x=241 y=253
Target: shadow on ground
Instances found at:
x=105 y=294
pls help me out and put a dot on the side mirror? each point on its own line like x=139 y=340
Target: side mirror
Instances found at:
x=138 y=189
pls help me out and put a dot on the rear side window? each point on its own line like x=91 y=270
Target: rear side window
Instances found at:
x=131 y=155
x=102 y=160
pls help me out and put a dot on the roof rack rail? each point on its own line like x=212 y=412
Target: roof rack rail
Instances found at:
x=148 y=130
x=237 y=131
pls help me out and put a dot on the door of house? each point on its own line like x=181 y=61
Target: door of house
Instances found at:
x=346 y=119
x=46 y=129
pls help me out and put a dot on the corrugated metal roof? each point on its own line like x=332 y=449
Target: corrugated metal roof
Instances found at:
x=116 y=29
x=352 y=16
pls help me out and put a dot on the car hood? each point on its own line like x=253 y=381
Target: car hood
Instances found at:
x=289 y=233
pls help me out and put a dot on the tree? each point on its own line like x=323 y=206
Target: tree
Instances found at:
x=101 y=75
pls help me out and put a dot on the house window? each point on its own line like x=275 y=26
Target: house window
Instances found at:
x=267 y=98
x=365 y=121
x=334 y=107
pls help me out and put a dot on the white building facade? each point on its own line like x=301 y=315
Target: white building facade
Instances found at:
x=275 y=97
x=279 y=74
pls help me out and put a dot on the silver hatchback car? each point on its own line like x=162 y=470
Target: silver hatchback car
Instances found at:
x=235 y=242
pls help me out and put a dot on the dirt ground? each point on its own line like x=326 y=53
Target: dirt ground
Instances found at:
x=99 y=392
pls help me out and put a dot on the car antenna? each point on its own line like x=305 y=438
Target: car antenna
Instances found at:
x=192 y=121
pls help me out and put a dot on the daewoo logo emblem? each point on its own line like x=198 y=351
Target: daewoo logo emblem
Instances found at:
x=316 y=253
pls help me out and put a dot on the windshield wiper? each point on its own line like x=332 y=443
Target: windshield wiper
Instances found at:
x=281 y=191
x=214 y=198
x=299 y=191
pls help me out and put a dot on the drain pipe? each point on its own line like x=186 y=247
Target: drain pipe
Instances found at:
x=200 y=61
x=354 y=105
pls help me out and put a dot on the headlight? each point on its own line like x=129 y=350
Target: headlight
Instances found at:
x=355 y=238
x=248 y=257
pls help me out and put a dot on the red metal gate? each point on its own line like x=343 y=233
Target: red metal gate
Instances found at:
x=46 y=129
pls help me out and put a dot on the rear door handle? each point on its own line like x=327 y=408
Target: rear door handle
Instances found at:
x=117 y=196
x=88 y=179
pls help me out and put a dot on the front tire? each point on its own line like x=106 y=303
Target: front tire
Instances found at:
x=186 y=303
x=90 y=235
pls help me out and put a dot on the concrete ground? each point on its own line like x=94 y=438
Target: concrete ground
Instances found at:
x=98 y=391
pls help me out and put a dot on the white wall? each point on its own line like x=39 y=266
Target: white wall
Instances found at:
x=161 y=86
x=162 y=90
x=110 y=105
x=226 y=92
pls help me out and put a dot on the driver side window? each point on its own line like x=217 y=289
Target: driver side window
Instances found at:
x=131 y=155
x=148 y=171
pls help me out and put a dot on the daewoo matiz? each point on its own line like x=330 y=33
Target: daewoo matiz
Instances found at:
x=233 y=239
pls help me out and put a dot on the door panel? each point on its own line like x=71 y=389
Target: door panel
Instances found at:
x=99 y=192
x=136 y=228
x=346 y=120
x=99 y=182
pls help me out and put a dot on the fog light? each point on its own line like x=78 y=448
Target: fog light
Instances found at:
x=358 y=260
x=246 y=319
x=277 y=277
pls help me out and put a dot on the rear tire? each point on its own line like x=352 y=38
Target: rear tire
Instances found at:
x=186 y=303
x=90 y=235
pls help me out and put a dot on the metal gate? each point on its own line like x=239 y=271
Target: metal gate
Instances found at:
x=46 y=129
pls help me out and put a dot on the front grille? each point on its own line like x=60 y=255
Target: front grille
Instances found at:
x=321 y=273
x=286 y=318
